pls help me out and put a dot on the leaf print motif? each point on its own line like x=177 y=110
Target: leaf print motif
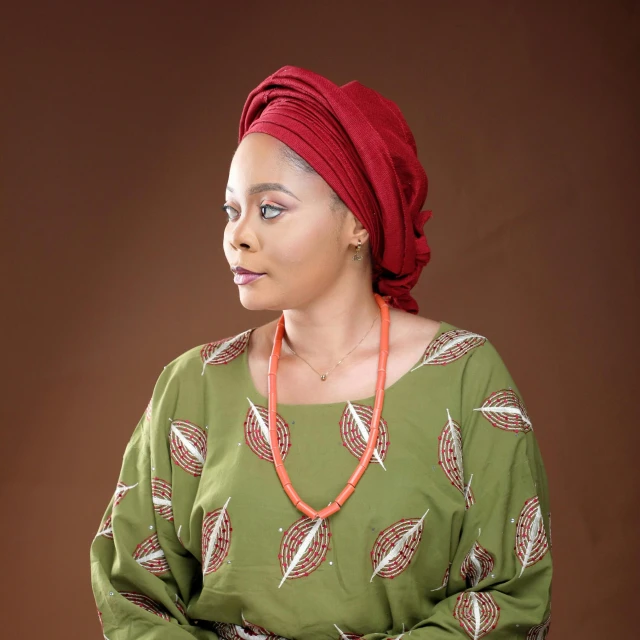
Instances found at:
x=477 y=565
x=260 y=631
x=181 y=608
x=540 y=631
x=101 y=624
x=303 y=547
x=531 y=538
x=354 y=431
x=395 y=547
x=121 y=491
x=225 y=350
x=230 y=631
x=445 y=579
x=161 y=497
x=347 y=636
x=504 y=410
x=188 y=446
x=146 y=603
x=149 y=554
x=216 y=539
x=450 y=346
x=451 y=460
x=477 y=613
x=106 y=529
x=256 y=433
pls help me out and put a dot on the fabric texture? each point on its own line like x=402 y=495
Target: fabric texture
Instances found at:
x=360 y=143
x=447 y=535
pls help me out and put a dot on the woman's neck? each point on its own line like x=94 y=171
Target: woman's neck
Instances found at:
x=329 y=327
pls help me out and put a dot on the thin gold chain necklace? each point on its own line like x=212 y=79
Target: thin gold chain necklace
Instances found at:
x=323 y=376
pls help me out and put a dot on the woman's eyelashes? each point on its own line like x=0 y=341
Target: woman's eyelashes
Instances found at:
x=267 y=211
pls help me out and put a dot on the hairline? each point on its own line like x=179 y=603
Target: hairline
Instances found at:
x=294 y=158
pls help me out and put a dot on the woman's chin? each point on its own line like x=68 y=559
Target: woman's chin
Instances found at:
x=254 y=301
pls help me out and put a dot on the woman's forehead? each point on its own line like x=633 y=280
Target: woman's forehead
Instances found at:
x=258 y=149
x=260 y=159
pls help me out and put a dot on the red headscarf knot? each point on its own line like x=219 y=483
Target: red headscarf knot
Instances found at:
x=360 y=144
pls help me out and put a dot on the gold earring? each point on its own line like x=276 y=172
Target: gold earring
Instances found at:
x=356 y=255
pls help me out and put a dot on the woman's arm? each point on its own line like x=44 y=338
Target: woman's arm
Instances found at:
x=142 y=577
x=499 y=585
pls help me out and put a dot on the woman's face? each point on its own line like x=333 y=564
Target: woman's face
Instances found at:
x=281 y=226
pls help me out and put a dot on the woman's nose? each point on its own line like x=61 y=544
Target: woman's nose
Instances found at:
x=241 y=235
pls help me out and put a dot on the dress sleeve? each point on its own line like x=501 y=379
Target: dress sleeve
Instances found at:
x=142 y=577
x=498 y=583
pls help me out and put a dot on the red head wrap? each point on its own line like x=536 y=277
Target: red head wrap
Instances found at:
x=360 y=144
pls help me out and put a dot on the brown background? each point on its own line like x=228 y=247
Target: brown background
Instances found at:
x=120 y=121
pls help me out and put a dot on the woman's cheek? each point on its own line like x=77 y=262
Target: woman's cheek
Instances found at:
x=292 y=255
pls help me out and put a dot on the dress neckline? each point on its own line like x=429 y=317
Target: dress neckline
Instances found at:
x=263 y=400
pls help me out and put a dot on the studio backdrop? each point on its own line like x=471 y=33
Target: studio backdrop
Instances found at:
x=119 y=123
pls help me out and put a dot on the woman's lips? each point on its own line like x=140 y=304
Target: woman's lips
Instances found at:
x=246 y=278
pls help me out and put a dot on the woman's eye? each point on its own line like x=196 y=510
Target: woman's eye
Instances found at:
x=232 y=214
x=269 y=212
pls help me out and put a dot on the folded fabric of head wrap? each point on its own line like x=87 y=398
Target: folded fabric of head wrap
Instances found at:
x=359 y=142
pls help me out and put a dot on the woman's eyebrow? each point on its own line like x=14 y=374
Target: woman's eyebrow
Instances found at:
x=266 y=186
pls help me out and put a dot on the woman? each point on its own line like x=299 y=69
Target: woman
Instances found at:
x=235 y=514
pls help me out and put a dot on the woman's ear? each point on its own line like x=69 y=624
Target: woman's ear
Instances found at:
x=364 y=236
x=357 y=230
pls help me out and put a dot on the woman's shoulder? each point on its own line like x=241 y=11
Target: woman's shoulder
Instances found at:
x=430 y=334
x=411 y=324
x=211 y=368
x=446 y=342
x=475 y=352
x=206 y=358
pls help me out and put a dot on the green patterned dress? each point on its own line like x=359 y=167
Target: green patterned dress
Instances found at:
x=446 y=536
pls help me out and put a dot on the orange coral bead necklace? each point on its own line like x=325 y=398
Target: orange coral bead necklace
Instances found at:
x=362 y=465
